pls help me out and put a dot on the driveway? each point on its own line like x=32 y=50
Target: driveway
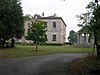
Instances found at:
x=54 y=64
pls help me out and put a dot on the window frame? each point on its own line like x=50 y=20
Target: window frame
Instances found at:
x=45 y=23
x=54 y=24
x=54 y=38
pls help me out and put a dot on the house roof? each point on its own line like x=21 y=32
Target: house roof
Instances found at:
x=52 y=17
x=84 y=29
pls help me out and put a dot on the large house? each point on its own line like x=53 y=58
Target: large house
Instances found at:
x=56 y=28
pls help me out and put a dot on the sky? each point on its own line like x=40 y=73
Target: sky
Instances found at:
x=67 y=9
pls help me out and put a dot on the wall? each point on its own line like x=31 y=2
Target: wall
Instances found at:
x=60 y=30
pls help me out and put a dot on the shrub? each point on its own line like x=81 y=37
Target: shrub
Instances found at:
x=52 y=44
x=69 y=43
x=24 y=43
x=45 y=44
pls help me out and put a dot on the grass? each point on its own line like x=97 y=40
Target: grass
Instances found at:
x=24 y=51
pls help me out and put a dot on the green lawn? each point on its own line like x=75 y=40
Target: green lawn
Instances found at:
x=23 y=51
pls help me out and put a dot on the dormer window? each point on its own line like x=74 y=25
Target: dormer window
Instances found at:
x=54 y=24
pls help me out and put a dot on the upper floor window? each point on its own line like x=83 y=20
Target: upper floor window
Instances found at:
x=45 y=23
x=54 y=24
x=54 y=37
x=28 y=30
x=29 y=25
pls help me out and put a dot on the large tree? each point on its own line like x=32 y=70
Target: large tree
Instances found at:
x=72 y=37
x=11 y=19
x=91 y=22
x=37 y=32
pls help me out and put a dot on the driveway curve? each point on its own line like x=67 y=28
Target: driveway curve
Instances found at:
x=54 y=64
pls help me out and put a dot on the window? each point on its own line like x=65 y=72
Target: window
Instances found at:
x=45 y=23
x=54 y=38
x=29 y=25
x=54 y=24
x=28 y=30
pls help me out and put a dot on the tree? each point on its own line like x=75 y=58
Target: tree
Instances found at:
x=11 y=19
x=72 y=37
x=37 y=33
x=91 y=21
x=27 y=17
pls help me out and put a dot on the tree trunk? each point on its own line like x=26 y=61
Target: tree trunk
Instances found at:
x=0 y=43
x=97 y=45
x=36 y=46
x=12 y=43
x=94 y=49
x=3 y=43
x=98 y=48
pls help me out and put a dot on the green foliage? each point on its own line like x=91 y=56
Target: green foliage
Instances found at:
x=27 y=17
x=91 y=22
x=52 y=44
x=11 y=20
x=85 y=19
x=96 y=19
x=24 y=43
x=44 y=44
x=72 y=37
x=37 y=33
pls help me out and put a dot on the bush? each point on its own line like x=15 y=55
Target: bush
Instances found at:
x=24 y=43
x=45 y=44
x=52 y=44
x=69 y=43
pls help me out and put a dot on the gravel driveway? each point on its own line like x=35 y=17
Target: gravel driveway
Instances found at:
x=54 y=64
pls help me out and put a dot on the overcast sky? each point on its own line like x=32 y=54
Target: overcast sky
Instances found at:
x=67 y=9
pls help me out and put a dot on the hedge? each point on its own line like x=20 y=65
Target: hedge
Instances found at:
x=45 y=44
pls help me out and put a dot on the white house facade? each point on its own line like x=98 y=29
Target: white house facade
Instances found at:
x=55 y=26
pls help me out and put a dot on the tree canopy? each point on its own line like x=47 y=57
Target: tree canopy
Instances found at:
x=90 y=22
x=72 y=37
x=11 y=19
x=37 y=32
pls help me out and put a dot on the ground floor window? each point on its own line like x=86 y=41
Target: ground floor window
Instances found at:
x=54 y=37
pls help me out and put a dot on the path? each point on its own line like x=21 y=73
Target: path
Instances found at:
x=54 y=64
